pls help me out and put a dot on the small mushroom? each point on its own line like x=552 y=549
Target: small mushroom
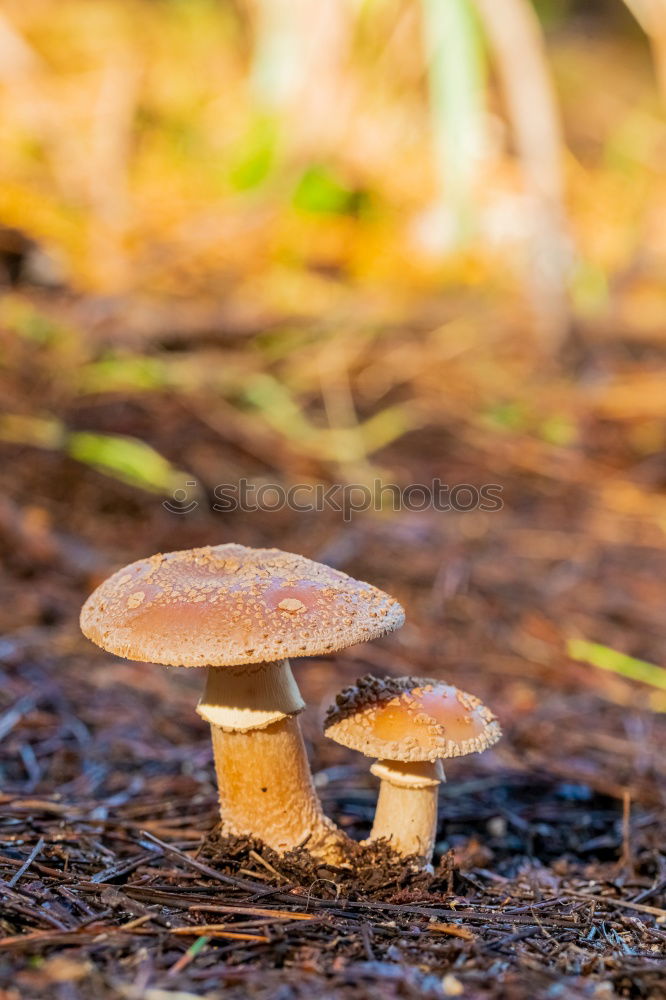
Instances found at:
x=241 y=612
x=410 y=724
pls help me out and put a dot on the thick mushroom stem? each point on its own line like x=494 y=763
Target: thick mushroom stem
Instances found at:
x=406 y=814
x=266 y=791
x=264 y=780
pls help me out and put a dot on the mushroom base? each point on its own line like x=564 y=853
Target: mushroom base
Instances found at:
x=406 y=814
x=266 y=791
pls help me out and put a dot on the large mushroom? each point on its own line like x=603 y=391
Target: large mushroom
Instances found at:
x=410 y=724
x=241 y=612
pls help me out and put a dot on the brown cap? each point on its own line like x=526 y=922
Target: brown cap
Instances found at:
x=409 y=719
x=225 y=605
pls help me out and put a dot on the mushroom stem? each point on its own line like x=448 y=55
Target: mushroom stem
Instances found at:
x=264 y=780
x=266 y=790
x=406 y=813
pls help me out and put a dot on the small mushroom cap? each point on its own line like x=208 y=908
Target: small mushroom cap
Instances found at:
x=226 y=605
x=409 y=719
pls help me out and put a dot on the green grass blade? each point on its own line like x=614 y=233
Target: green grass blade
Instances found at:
x=127 y=459
x=619 y=663
x=456 y=70
x=40 y=432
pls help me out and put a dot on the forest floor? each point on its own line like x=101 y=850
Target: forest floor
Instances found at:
x=550 y=878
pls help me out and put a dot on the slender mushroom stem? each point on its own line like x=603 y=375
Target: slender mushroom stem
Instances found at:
x=264 y=780
x=406 y=814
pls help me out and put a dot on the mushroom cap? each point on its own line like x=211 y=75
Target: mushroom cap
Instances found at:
x=226 y=605
x=410 y=719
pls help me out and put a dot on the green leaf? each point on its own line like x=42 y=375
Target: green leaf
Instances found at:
x=127 y=459
x=319 y=192
x=198 y=946
x=507 y=416
x=278 y=408
x=257 y=155
x=30 y=323
x=558 y=429
x=619 y=663
x=590 y=289
x=114 y=374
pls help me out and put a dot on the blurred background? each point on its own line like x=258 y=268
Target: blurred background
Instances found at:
x=331 y=242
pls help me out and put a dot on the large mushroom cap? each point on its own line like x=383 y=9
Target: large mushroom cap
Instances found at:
x=410 y=719
x=225 y=605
